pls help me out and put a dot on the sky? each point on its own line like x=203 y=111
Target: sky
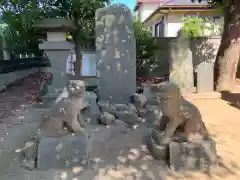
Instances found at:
x=130 y=3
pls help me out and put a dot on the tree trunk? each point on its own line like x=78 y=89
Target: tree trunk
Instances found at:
x=225 y=66
x=78 y=62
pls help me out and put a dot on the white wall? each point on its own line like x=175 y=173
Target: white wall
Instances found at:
x=174 y=24
x=88 y=63
x=146 y=10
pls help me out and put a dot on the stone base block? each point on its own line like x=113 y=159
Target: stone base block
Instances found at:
x=92 y=113
x=128 y=117
x=183 y=155
x=107 y=118
x=158 y=151
x=62 y=153
x=153 y=115
x=187 y=156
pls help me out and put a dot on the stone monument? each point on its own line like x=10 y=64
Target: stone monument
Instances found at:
x=181 y=64
x=205 y=80
x=57 y=49
x=181 y=138
x=115 y=52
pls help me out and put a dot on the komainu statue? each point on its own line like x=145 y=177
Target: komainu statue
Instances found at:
x=181 y=123
x=66 y=114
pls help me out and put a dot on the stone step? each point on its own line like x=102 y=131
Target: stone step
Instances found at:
x=63 y=152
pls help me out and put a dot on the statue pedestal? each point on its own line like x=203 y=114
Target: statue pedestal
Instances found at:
x=57 y=52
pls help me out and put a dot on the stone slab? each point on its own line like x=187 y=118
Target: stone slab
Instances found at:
x=205 y=80
x=153 y=141
x=62 y=153
x=59 y=45
x=187 y=156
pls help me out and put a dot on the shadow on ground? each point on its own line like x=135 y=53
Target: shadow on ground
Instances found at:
x=120 y=152
x=233 y=99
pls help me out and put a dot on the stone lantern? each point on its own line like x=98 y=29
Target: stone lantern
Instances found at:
x=57 y=49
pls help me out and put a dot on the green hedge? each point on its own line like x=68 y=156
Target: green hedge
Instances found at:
x=7 y=66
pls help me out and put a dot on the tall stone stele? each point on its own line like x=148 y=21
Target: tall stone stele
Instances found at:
x=181 y=63
x=115 y=52
x=57 y=49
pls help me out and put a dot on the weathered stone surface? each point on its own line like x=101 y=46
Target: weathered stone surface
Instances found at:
x=30 y=150
x=92 y=113
x=52 y=127
x=116 y=53
x=107 y=118
x=205 y=71
x=140 y=89
x=190 y=156
x=141 y=112
x=82 y=120
x=120 y=107
x=128 y=117
x=158 y=151
x=29 y=154
x=181 y=114
x=181 y=123
x=125 y=107
x=61 y=153
x=152 y=94
x=58 y=58
x=147 y=90
x=106 y=106
x=139 y=100
x=181 y=64
x=154 y=100
x=3 y=130
x=132 y=109
x=29 y=164
x=153 y=114
x=127 y=113
x=66 y=110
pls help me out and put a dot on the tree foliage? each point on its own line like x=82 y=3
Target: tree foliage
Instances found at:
x=193 y=26
x=146 y=46
x=22 y=15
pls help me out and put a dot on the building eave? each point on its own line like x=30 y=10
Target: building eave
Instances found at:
x=137 y=6
x=169 y=8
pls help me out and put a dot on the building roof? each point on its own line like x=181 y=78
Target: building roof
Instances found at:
x=171 y=3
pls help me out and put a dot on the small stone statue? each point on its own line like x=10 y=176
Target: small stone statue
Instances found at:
x=67 y=110
x=181 y=122
x=180 y=114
